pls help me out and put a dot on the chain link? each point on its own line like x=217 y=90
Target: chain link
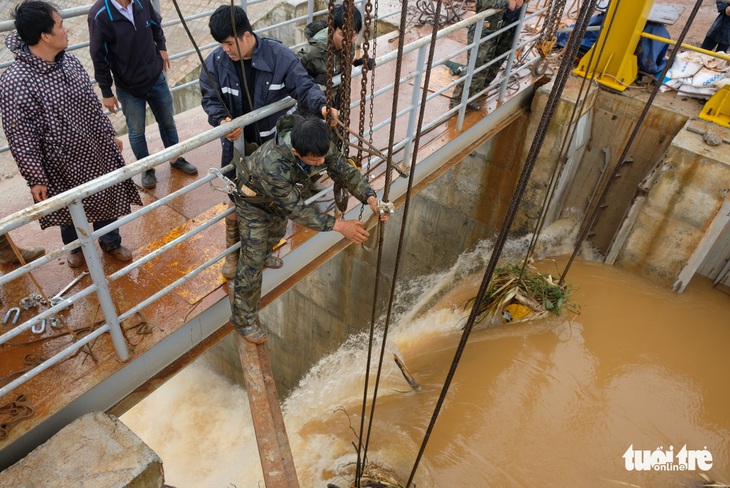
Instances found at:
x=348 y=30
x=548 y=36
x=330 y=54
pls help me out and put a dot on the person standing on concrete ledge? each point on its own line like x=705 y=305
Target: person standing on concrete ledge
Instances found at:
x=718 y=37
x=56 y=128
x=279 y=172
x=249 y=72
x=128 y=50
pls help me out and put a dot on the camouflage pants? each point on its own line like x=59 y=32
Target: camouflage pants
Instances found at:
x=260 y=232
x=485 y=53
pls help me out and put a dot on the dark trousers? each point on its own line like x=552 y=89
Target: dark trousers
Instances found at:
x=108 y=242
x=713 y=45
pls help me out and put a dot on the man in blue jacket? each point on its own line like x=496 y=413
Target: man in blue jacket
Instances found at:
x=128 y=50
x=250 y=72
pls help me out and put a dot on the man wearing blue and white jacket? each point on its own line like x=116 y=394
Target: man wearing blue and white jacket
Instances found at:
x=128 y=50
x=250 y=72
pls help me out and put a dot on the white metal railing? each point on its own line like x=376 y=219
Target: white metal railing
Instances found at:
x=72 y=198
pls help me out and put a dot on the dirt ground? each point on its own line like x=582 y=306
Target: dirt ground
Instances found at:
x=701 y=24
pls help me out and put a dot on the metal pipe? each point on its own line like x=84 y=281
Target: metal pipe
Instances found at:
x=415 y=103
x=40 y=209
x=469 y=74
x=513 y=50
x=686 y=46
x=61 y=356
x=178 y=240
x=96 y=270
x=129 y=313
x=28 y=324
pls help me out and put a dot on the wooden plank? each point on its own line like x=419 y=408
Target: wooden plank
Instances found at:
x=271 y=438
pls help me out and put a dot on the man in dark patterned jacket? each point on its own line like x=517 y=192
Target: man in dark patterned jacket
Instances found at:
x=279 y=172
x=56 y=129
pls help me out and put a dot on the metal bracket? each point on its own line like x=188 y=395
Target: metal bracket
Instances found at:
x=385 y=208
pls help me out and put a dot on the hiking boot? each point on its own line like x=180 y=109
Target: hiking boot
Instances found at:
x=253 y=333
x=272 y=262
x=473 y=106
x=184 y=166
x=149 y=181
x=75 y=259
x=121 y=254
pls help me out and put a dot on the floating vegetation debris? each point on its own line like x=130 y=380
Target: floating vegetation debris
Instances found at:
x=515 y=298
x=373 y=476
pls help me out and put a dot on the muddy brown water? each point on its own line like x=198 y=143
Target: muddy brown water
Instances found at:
x=556 y=402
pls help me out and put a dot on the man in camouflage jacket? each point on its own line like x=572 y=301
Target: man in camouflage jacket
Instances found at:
x=279 y=173
x=487 y=49
x=314 y=56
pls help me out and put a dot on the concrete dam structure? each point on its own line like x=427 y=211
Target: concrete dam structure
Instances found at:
x=665 y=217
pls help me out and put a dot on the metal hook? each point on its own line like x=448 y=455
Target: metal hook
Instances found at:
x=39 y=328
x=228 y=186
x=17 y=315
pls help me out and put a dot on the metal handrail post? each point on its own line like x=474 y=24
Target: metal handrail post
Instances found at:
x=469 y=73
x=310 y=11
x=156 y=5
x=415 y=101
x=511 y=58
x=244 y=5
x=97 y=275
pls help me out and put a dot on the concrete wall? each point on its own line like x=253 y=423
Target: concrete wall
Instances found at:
x=94 y=450
x=661 y=216
x=690 y=187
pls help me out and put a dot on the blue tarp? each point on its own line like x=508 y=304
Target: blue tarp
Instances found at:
x=651 y=54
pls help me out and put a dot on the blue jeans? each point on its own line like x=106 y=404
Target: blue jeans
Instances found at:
x=134 y=108
x=108 y=242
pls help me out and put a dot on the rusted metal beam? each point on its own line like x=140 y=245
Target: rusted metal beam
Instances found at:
x=268 y=421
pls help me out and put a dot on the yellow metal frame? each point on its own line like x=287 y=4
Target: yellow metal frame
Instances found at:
x=617 y=68
x=717 y=108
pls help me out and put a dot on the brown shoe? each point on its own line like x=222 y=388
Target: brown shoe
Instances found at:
x=75 y=260
x=121 y=254
x=28 y=254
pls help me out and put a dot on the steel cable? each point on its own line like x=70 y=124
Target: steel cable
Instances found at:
x=561 y=78
x=592 y=214
x=561 y=161
x=404 y=223
x=362 y=449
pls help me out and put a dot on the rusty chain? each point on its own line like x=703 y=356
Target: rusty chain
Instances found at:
x=548 y=35
x=330 y=55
